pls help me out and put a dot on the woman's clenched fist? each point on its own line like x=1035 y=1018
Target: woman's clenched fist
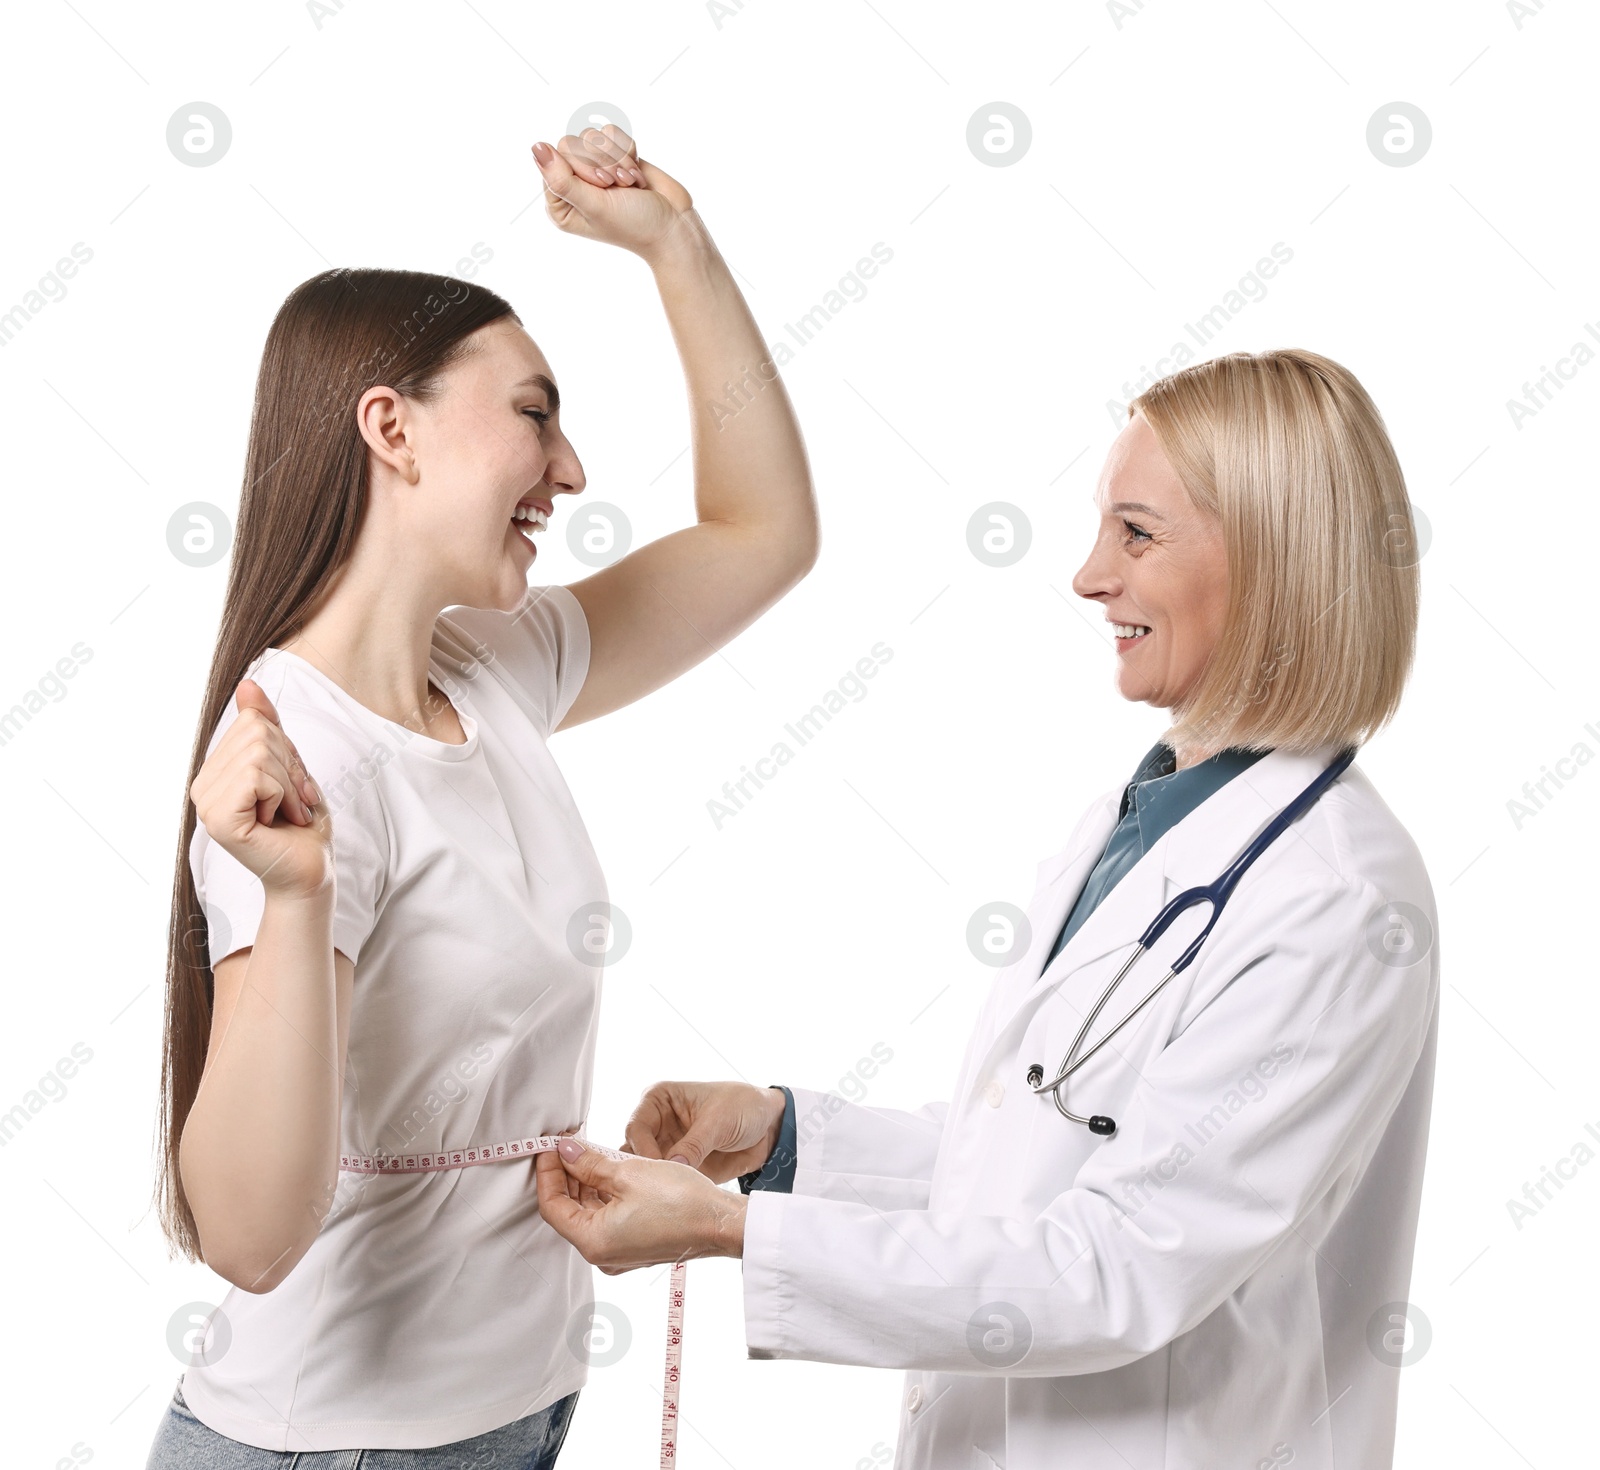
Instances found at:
x=597 y=186
x=255 y=797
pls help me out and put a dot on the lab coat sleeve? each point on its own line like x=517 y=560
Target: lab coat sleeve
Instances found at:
x=882 y=1157
x=1157 y=1229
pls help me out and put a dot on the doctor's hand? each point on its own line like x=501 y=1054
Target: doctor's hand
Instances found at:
x=723 y=1129
x=624 y=1213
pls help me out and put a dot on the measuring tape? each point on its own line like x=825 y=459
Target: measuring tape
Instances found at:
x=521 y=1148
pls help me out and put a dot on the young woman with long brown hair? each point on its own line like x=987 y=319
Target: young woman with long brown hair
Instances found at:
x=373 y=948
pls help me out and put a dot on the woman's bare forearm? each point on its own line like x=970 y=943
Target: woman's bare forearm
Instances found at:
x=749 y=457
x=259 y=1154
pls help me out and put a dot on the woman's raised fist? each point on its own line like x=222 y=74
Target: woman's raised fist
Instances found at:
x=255 y=797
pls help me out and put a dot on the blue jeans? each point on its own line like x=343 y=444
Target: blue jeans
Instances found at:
x=531 y=1443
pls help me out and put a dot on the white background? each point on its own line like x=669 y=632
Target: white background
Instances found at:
x=1169 y=153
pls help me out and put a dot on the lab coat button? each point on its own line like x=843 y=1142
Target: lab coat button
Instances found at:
x=914 y=1399
x=994 y=1092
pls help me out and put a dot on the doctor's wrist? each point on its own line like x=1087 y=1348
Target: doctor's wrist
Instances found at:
x=777 y=1170
x=776 y=1100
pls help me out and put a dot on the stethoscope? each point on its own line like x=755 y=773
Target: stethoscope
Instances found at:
x=1217 y=895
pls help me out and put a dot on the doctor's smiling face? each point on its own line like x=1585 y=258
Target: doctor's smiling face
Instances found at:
x=1158 y=568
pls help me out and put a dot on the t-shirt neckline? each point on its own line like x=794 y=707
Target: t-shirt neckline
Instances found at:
x=410 y=739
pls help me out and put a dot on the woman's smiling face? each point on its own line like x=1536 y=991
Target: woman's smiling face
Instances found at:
x=1158 y=565
x=490 y=441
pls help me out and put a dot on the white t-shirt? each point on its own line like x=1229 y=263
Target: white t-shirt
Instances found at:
x=431 y=1307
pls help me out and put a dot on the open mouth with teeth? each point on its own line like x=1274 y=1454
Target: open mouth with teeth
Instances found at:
x=1129 y=634
x=528 y=519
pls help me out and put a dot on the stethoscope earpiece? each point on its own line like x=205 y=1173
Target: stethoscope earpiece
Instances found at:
x=1099 y=1123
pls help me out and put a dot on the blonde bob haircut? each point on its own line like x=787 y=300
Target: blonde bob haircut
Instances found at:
x=1289 y=453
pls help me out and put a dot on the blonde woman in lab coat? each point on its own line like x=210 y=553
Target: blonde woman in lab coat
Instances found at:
x=1221 y=1281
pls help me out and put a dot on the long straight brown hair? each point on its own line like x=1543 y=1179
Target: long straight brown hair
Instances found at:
x=301 y=508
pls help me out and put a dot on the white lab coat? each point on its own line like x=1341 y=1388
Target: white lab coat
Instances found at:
x=1195 y=1291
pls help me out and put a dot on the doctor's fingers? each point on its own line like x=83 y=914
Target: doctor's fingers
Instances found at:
x=689 y=1121
x=557 y=1183
x=661 y=1117
x=557 y=1194
x=579 y=1225
x=641 y=1137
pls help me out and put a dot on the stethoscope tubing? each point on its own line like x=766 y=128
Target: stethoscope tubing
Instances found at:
x=1216 y=893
